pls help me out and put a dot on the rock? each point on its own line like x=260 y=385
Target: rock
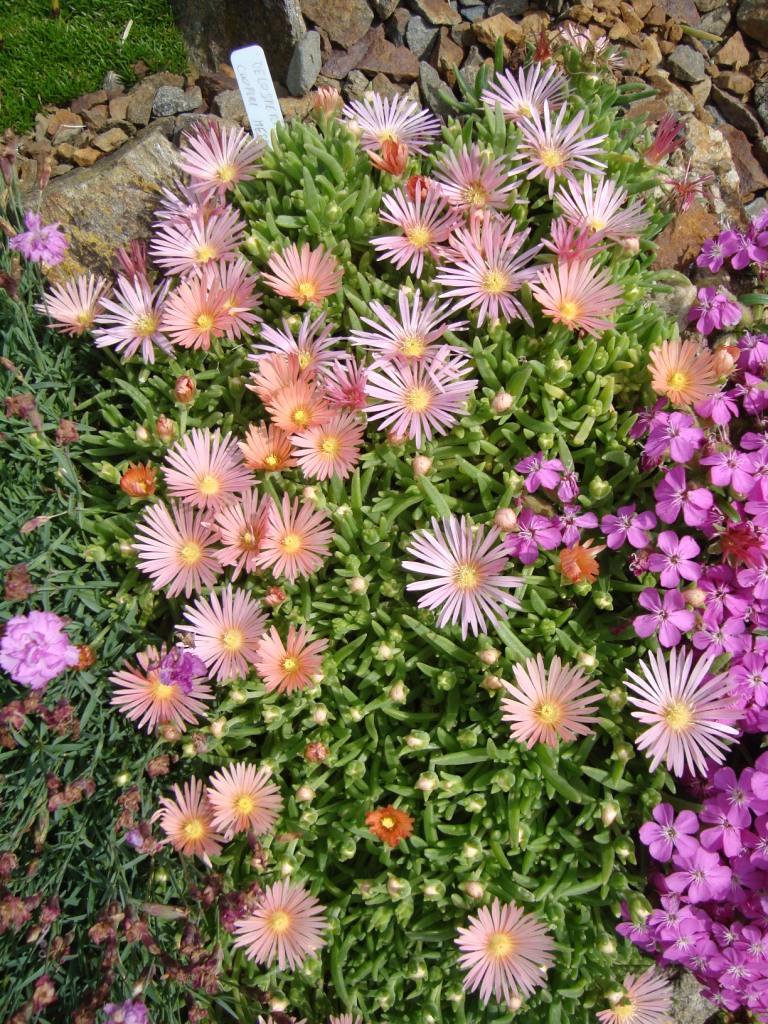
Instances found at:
x=139 y=109
x=652 y=51
x=655 y=17
x=760 y=150
x=632 y=20
x=736 y=113
x=88 y=100
x=212 y=84
x=634 y=61
x=688 y=1005
x=295 y=106
x=229 y=105
x=62 y=119
x=109 y=141
x=488 y=30
x=118 y=107
x=471 y=67
x=760 y=100
x=705 y=6
x=463 y=34
x=683 y=11
x=436 y=12
x=473 y=13
x=170 y=99
x=420 y=37
x=355 y=85
x=66 y=151
x=382 y=85
x=734 y=53
x=67 y=133
x=384 y=8
x=751 y=175
x=430 y=85
x=642 y=7
x=397 y=25
x=709 y=153
x=86 y=157
x=677 y=100
x=677 y=302
x=396 y=61
x=109 y=205
x=687 y=64
x=305 y=65
x=756 y=207
x=446 y=55
x=212 y=29
x=345 y=21
x=752 y=18
x=735 y=82
x=716 y=21
x=512 y=8
x=700 y=91
x=681 y=240
x=96 y=117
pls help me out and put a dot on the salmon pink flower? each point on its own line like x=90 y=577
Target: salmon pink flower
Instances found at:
x=206 y=470
x=267 y=449
x=205 y=239
x=188 y=822
x=389 y=824
x=646 y=1000
x=578 y=295
x=243 y=799
x=683 y=371
x=330 y=450
x=226 y=631
x=549 y=704
x=286 y=926
x=177 y=549
x=290 y=666
x=298 y=540
x=168 y=689
x=298 y=407
x=196 y=312
x=307 y=276
x=243 y=528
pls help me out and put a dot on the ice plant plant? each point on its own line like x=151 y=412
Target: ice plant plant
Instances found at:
x=389 y=824
x=549 y=704
x=287 y=926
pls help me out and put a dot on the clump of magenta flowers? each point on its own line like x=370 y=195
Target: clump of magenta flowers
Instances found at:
x=390 y=389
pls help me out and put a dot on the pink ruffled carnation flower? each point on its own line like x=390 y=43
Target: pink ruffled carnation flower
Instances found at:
x=35 y=649
x=41 y=243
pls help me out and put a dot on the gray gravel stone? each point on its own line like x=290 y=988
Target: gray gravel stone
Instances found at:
x=752 y=19
x=430 y=84
x=170 y=99
x=756 y=207
x=305 y=65
x=473 y=13
x=688 y=1005
x=687 y=64
x=705 y=6
x=471 y=66
x=736 y=113
x=716 y=21
x=229 y=105
x=760 y=100
x=420 y=36
x=355 y=85
x=512 y=8
x=396 y=26
x=384 y=8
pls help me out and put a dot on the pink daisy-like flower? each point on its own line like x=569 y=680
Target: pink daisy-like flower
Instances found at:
x=243 y=799
x=527 y=95
x=242 y=530
x=267 y=449
x=570 y=242
x=646 y=1000
x=206 y=470
x=332 y=449
x=177 y=549
x=298 y=407
x=687 y=712
x=554 y=149
x=298 y=541
x=216 y=158
x=548 y=705
x=188 y=822
x=226 y=632
x=183 y=205
x=275 y=374
x=426 y=222
x=168 y=689
x=470 y=181
x=599 y=209
x=410 y=337
x=417 y=399
x=465 y=567
x=238 y=283
x=131 y=319
x=488 y=269
x=287 y=925
x=307 y=276
x=313 y=347
x=345 y=1018
x=344 y=384
x=290 y=666
x=195 y=312
x=505 y=952
x=579 y=295
x=206 y=239
x=74 y=305
x=396 y=119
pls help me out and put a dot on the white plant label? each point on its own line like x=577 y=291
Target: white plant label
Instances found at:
x=255 y=81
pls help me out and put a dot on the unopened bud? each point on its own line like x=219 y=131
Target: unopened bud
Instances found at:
x=310 y=493
x=505 y=519
x=492 y=684
x=170 y=733
x=384 y=652
x=421 y=465
x=722 y=362
x=694 y=597
x=475 y=890
x=398 y=693
x=123 y=778
x=356 y=714
x=270 y=715
x=623 y=849
x=188 y=750
x=396 y=439
x=166 y=429
x=586 y=660
x=427 y=781
x=624 y=752
x=470 y=851
x=394 y=886
x=278 y=1004
x=434 y=890
x=320 y=714
x=305 y=794
x=125 y=548
x=609 y=812
x=502 y=402
x=631 y=245
x=514 y=1003
x=617 y=698
x=315 y=752
x=607 y=946
x=237 y=696
x=358 y=584
x=603 y=600
x=142 y=434
x=218 y=728
x=417 y=740
x=184 y=390
x=274 y=596
x=489 y=656
x=599 y=488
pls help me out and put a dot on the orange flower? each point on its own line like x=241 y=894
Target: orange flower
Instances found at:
x=683 y=371
x=390 y=824
x=266 y=448
x=578 y=563
x=393 y=159
x=86 y=657
x=139 y=480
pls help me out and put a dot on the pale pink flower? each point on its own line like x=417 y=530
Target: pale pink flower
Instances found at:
x=195 y=312
x=74 y=305
x=471 y=181
x=554 y=149
x=242 y=530
x=410 y=337
x=647 y=1000
x=578 y=295
x=426 y=222
x=549 y=704
x=417 y=399
x=188 y=822
x=177 y=549
x=183 y=205
x=290 y=666
x=488 y=268
x=395 y=119
x=307 y=276
x=314 y=346
x=465 y=567
x=275 y=373
x=286 y=926
x=216 y=157
x=332 y=449
x=526 y=95
x=238 y=283
x=505 y=952
x=687 y=712
x=600 y=209
x=204 y=240
x=570 y=242
x=243 y=799
x=206 y=470
x=154 y=696
x=345 y=1018
x=344 y=384
x=131 y=319
x=298 y=407
x=267 y=449
x=327 y=98
x=226 y=631
x=298 y=541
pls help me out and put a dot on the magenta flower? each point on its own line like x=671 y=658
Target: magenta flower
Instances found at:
x=726 y=831
x=132 y=1011
x=730 y=469
x=718 y=637
x=571 y=521
x=568 y=487
x=675 y=559
x=673 y=496
x=627 y=525
x=540 y=472
x=669 y=618
x=742 y=249
x=533 y=532
x=35 y=649
x=711 y=256
x=667 y=833
x=719 y=407
x=40 y=243
x=714 y=311
x=701 y=876
x=677 y=432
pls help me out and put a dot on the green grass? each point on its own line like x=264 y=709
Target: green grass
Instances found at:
x=53 y=60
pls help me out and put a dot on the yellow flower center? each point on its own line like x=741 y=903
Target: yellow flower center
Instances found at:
x=209 y=484
x=194 y=829
x=678 y=381
x=388 y=822
x=204 y=321
x=145 y=325
x=465 y=577
x=300 y=417
x=248 y=540
x=495 y=282
x=161 y=691
x=190 y=553
x=413 y=346
x=419 y=236
x=569 y=311
x=525 y=110
x=678 y=716
x=204 y=254
x=387 y=135
x=232 y=640
x=551 y=157
x=549 y=713
x=624 y=1013
x=271 y=460
x=306 y=291
x=305 y=358
x=596 y=224
x=290 y=664
x=244 y=804
x=225 y=173
x=84 y=319
x=291 y=543
x=475 y=194
x=330 y=447
x=500 y=945
x=418 y=399
x=279 y=922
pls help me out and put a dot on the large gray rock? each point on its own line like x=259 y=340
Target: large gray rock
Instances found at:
x=736 y=113
x=760 y=100
x=688 y=1005
x=752 y=19
x=687 y=64
x=716 y=21
x=170 y=99
x=420 y=37
x=112 y=202
x=305 y=65
x=430 y=85
x=213 y=28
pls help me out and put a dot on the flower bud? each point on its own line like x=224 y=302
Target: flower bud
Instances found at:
x=384 y=652
x=617 y=698
x=603 y=601
x=218 y=728
x=607 y=946
x=142 y=434
x=166 y=429
x=446 y=681
x=586 y=660
x=502 y=402
x=623 y=849
x=599 y=488
x=125 y=548
x=421 y=465
x=170 y=733
x=320 y=714
x=624 y=752
x=694 y=597
x=237 y=696
x=609 y=812
x=278 y=1004
x=270 y=715
x=316 y=678
x=492 y=683
x=631 y=245
x=305 y=794
x=489 y=656
x=475 y=803
x=722 y=362
x=514 y=1003
x=315 y=752
x=455 y=993
x=347 y=849
x=426 y=782
x=470 y=851
x=310 y=493
x=505 y=519
x=184 y=390
x=356 y=714
x=358 y=585
x=188 y=750
x=396 y=439
x=122 y=779
x=434 y=890
x=475 y=890
x=274 y=596
x=395 y=887
x=417 y=740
